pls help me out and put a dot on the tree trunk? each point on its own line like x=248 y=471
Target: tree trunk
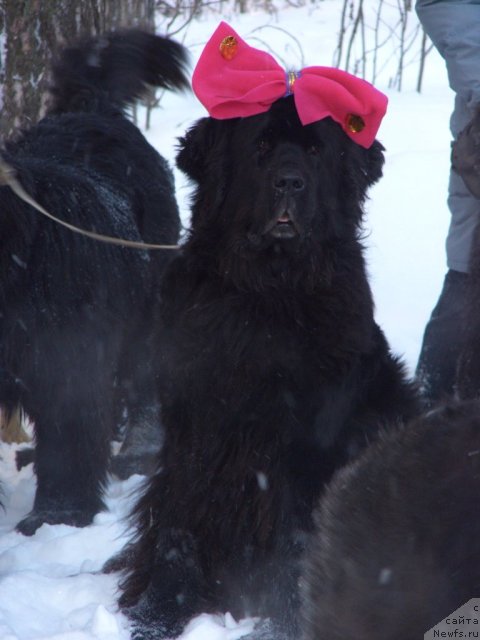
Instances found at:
x=31 y=34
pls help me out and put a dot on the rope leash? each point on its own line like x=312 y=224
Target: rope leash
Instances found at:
x=8 y=178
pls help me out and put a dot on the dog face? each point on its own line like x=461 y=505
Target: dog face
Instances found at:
x=275 y=181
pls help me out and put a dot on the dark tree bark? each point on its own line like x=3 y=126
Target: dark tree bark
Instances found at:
x=32 y=32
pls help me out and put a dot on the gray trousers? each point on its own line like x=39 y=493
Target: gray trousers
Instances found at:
x=454 y=28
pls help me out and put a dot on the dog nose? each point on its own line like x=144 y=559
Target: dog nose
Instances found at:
x=288 y=181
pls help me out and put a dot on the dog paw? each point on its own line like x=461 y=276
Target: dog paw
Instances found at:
x=24 y=457
x=120 y=561
x=35 y=519
x=125 y=466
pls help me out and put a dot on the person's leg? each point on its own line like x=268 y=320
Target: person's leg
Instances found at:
x=464 y=207
x=442 y=340
x=454 y=31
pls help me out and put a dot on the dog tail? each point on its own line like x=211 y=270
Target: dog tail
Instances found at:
x=116 y=68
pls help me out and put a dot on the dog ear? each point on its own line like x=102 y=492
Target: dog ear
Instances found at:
x=362 y=168
x=374 y=162
x=194 y=149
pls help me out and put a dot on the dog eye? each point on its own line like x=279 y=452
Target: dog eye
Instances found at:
x=313 y=149
x=263 y=145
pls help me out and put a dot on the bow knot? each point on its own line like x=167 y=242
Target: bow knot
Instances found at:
x=234 y=80
x=290 y=77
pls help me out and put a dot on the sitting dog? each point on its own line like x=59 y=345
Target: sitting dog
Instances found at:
x=273 y=370
x=398 y=542
x=74 y=311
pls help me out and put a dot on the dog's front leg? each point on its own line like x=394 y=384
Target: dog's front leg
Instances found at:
x=172 y=597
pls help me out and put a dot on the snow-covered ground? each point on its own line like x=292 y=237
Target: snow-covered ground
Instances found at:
x=50 y=585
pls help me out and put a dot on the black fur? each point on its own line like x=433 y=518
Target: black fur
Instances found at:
x=398 y=545
x=73 y=311
x=277 y=373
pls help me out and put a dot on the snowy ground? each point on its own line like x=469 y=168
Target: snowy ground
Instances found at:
x=50 y=585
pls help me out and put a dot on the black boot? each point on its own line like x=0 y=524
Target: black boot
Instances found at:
x=443 y=341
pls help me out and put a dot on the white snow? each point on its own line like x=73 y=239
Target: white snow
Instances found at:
x=50 y=584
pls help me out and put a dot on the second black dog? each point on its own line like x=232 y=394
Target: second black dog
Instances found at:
x=73 y=311
x=398 y=542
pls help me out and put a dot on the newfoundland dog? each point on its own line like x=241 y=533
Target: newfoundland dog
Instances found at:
x=274 y=373
x=73 y=310
x=398 y=546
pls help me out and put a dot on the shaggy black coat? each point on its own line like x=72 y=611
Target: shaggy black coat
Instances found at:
x=73 y=310
x=276 y=373
x=398 y=544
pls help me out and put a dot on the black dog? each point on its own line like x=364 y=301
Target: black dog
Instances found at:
x=73 y=310
x=398 y=547
x=275 y=373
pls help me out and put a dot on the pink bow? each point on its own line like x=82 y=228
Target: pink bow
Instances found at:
x=234 y=80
